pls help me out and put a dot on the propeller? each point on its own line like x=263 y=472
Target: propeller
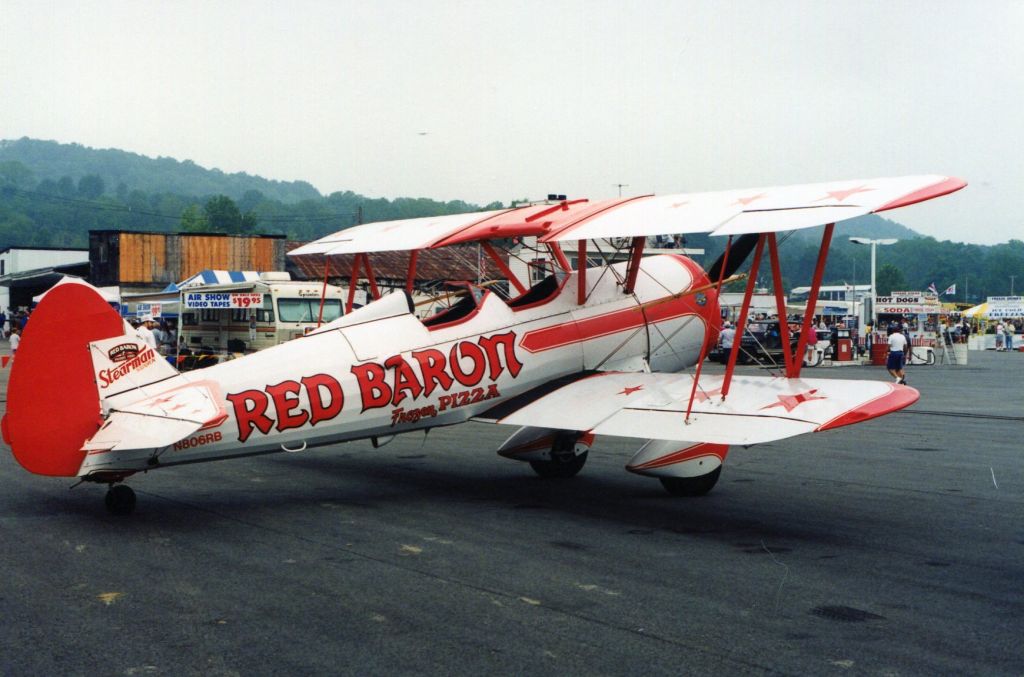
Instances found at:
x=738 y=253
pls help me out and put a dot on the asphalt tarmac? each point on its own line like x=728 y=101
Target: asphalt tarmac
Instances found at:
x=895 y=547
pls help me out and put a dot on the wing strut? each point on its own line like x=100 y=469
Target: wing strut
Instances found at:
x=636 y=253
x=370 y=276
x=352 y=284
x=581 y=269
x=819 y=271
x=741 y=321
x=559 y=255
x=323 y=292
x=780 y=304
x=707 y=334
x=410 y=277
x=503 y=267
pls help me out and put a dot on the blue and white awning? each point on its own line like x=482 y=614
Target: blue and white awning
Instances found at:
x=215 y=277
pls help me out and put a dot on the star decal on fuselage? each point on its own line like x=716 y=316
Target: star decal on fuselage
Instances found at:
x=791 y=402
x=629 y=390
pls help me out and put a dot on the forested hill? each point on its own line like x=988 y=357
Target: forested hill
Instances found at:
x=52 y=194
x=123 y=172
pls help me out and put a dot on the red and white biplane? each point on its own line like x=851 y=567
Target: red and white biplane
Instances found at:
x=609 y=350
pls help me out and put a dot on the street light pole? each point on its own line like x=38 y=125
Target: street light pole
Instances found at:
x=874 y=290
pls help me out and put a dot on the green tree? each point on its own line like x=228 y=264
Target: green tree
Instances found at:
x=222 y=215
x=192 y=221
x=91 y=186
x=15 y=174
x=888 y=278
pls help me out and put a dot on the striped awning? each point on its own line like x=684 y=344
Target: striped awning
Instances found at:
x=215 y=277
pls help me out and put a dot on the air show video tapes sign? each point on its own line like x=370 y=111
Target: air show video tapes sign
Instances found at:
x=212 y=299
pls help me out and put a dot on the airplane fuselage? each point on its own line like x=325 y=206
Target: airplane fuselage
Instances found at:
x=380 y=371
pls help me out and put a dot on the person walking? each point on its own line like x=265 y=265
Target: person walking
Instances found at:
x=15 y=340
x=1010 y=331
x=897 y=361
x=1000 y=335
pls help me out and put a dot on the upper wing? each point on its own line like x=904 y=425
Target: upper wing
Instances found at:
x=653 y=406
x=731 y=212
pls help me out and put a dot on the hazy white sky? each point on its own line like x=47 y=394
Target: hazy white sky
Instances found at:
x=523 y=98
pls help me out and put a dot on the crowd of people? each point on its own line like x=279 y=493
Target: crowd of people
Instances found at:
x=160 y=335
x=1004 y=335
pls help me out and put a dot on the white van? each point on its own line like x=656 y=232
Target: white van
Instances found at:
x=228 y=319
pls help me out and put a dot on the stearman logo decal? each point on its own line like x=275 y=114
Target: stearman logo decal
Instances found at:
x=136 y=362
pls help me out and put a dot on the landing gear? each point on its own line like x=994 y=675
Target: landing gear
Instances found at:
x=120 y=499
x=564 y=462
x=691 y=486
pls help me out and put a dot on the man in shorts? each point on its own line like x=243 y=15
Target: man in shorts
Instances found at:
x=897 y=356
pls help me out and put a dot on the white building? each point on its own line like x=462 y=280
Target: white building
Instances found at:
x=28 y=271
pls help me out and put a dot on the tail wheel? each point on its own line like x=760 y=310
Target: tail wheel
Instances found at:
x=564 y=462
x=691 y=486
x=120 y=499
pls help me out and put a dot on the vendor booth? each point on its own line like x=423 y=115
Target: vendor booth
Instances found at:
x=924 y=315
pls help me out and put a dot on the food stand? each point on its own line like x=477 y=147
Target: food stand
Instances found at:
x=922 y=312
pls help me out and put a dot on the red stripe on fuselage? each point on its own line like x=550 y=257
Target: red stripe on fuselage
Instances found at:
x=571 y=332
x=634 y=317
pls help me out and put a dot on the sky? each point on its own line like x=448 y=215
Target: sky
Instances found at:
x=503 y=100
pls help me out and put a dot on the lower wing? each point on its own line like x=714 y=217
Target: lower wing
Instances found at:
x=654 y=406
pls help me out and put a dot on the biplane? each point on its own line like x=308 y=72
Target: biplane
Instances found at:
x=614 y=349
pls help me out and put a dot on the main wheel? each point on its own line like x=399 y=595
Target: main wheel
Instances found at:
x=120 y=499
x=691 y=486
x=560 y=466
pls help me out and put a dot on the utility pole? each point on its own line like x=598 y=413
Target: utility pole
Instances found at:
x=1012 y=278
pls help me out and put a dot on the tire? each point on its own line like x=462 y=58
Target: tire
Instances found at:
x=691 y=486
x=560 y=467
x=120 y=499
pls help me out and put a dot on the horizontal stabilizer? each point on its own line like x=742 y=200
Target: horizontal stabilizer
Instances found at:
x=758 y=409
x=159 y=421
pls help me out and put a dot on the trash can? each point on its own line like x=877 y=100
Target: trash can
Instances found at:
x=844 y=350
x=879 y=353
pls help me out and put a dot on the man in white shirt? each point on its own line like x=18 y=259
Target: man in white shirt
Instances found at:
x=727 y=335
x=145 y=332
x=897 y=353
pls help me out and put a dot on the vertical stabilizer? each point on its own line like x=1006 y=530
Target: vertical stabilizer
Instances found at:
x=52 y=401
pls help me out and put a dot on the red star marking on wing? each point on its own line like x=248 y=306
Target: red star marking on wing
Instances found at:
x=791 y=402
x=677 y=205
x=840 y=195
x=704 y=395
x=177 y=407
x=747 y=200
x=629 y=390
